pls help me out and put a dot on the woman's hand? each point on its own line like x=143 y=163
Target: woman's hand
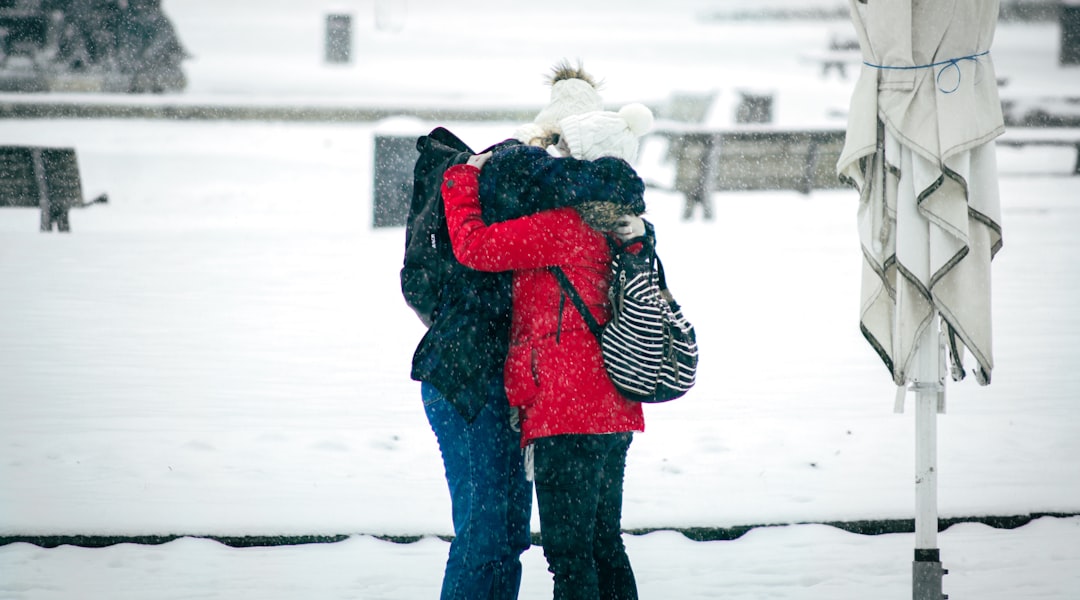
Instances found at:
x=478 y=160
x=629 y=227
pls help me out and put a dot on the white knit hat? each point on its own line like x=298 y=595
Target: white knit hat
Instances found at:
x=568 y=97
x=604 y=133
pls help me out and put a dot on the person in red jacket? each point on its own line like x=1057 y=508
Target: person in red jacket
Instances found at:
x=575 y=421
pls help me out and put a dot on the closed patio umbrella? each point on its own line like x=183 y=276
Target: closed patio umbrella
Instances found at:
x=918 y=148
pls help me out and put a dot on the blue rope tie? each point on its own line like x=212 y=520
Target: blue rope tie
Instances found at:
x=952 y=62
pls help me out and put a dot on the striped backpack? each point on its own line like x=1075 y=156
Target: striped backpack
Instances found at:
x=650 y=349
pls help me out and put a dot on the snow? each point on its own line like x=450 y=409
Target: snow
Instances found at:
x=805 y=562
x=223 y=350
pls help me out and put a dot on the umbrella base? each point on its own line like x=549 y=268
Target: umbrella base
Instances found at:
x=927 y=574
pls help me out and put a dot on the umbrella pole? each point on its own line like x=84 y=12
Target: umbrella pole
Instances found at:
x=929 y=386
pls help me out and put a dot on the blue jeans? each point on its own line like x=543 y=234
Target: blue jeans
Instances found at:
x=579 y=491
x=491 y=499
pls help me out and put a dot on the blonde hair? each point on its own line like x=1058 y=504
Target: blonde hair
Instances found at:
x=601 y=215
x=548 y=136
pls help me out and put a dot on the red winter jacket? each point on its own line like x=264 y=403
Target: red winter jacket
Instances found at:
x=554 y=370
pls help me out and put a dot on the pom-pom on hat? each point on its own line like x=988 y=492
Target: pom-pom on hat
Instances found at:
x=604 y=133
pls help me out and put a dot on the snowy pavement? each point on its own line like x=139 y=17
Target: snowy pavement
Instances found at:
x=1040 y=561
x=223 y=350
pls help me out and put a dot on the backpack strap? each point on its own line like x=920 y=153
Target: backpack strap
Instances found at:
x=648 y=248
x=648 y=242
x=569 y=289
x=648 y=245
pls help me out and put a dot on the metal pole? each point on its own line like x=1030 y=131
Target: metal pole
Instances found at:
x=43 y=189
x=929 y=386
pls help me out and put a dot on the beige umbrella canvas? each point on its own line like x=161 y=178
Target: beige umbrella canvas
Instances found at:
x=923 y=116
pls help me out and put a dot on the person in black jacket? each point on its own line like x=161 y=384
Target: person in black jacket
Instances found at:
x=460 y=359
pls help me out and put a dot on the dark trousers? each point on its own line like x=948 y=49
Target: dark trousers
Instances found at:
x=490 y=497
x=579 y=487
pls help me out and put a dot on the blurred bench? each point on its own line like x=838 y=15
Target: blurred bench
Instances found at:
x=835 y=60
x=45 y=178
x=753 y=158
x=1051 y=136
x=762 y=158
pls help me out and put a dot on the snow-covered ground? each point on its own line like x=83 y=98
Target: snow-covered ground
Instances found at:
x=223 y=349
